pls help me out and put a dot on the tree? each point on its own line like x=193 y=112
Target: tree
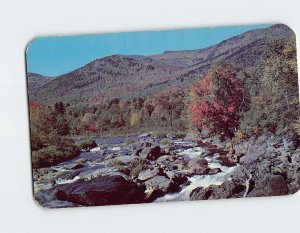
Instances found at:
x=273 y=86
x=217 y=100
x=60 y=108
x=42 y=126
x=171 y=103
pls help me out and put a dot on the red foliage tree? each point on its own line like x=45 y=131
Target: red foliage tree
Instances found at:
x=217 y=100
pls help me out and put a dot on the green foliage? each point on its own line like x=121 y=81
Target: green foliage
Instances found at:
x=48 y=128
x=54 y=154
x=273 y=87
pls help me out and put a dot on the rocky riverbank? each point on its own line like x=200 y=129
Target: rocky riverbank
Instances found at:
x=128 y=170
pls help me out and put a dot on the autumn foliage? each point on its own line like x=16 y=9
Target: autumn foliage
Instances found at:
x=217 y=99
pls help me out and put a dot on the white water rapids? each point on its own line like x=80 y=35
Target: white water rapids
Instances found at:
x=199 y=180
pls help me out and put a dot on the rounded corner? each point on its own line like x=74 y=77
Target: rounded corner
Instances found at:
x=30 y=42
x=289 y=27
x=38 y=203
x=295 y=191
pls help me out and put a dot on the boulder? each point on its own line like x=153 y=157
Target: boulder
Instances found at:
x=137 y=147
x=198 y=162
x=177 y=178
x=105 y=190
x=167 y=150
x=289 y=144
x=159 y=183
x=169 y=136
x=145 y=135
x=163 y=158
x=151 y=153
x=270 y=185
x=149 y=173
x=198 y=166
x=76 y=165
x=212 y=192
x=255 y=152
x=214 y=171
x=171 y=174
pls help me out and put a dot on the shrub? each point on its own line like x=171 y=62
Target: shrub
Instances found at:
x=239 y=136
x=54 y=154
x=87 y=144
x=159 y=135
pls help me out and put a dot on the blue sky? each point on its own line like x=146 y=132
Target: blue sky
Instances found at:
x=53 y=56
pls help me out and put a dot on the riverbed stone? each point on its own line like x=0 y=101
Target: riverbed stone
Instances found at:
x=160 y=183
x=106 y=190
x=151 y=153
x=270 y=185
x=147 y=174
x=214 y=171
x=163 y=158
x=198 y=166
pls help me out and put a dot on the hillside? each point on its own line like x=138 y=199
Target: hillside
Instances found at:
x=127 y=77
x=36 y=81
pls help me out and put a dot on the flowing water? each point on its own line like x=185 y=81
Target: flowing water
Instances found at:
x=202 y=181
x=94 y=166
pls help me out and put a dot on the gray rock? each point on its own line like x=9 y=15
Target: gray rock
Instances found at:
x=160 y=183
x=270 y=185
x=198 y=166
x=166 y=150
x=212 y=192
x=215 y=171
x=171 y=174
x=145 y=175
x=169 y=136
x=106 y=190
x=151 y=153
x=163 y=158
x=254 y=153
x=289 y=144
x=76 y=165
x=145 y=135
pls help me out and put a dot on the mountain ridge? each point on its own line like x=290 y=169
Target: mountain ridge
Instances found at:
x=130 y=76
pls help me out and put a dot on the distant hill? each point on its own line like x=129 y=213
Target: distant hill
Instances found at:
x=36 y=81
x=127 y=77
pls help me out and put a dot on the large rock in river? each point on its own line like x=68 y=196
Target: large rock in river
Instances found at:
x=151 y=153
x=270 y=185
x=161 y=184
x=106 y=190
x=198 y=166
x=147 y=174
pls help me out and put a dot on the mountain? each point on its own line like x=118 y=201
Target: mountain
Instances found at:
x=36 y=81
x=126 y=77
